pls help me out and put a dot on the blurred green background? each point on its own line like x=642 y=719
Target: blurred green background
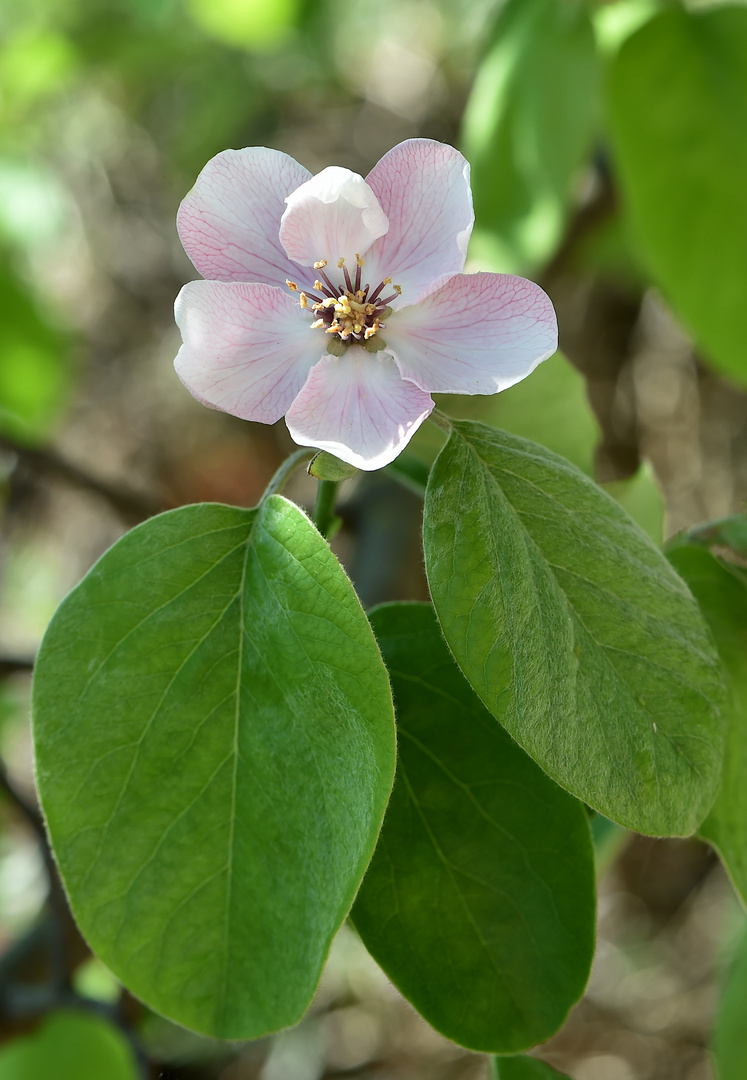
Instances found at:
x=608 y=144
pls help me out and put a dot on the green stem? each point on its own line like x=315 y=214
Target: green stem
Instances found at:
x=441 y=420
x=281 y=477
x=324 y=507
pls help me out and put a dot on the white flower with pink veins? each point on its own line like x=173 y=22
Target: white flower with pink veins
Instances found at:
x=340 y=303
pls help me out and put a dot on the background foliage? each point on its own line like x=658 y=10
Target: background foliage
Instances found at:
x=609 y=160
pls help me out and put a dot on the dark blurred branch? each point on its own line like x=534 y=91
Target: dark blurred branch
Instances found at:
x=589 y=217
x=11 y=665
x=130 y=505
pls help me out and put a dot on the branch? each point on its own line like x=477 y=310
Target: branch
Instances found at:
x=130 y=505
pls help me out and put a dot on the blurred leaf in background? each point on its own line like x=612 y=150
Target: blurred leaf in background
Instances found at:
x=35 y=369
x=70 y=1046
x=677 y=107
x=528 y=127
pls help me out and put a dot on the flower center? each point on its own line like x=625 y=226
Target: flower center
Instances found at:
x=350 y=312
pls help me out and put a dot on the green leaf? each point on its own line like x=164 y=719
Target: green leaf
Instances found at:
x=551 y=407
x=641 y=497
x=215 y=749
x=728 y=1043
x=677 y=102
x=479 y=901
x=70 y=1046
x=34 y=367
x=252 y=24
x=522 y=1067
x=574 y=630
x=326 y=466
x=528 y=126
x=722 y=595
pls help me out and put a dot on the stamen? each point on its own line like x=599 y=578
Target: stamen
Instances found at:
x=340 y=263
x=320 y=265
x=377 y=290
x=304 y=300
x=323 y=288
x=315 y=325
x=291 y=285
x=324 y=277
x=359 y=267
x=348 y=281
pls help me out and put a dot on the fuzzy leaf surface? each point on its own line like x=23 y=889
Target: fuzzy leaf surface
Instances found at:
x=479 y=902
x=574 y=630
x=215 y=749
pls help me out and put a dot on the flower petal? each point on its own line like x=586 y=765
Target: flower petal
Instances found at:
x=229 y=221
x=478 y=334
x=334 y=215
x=247 y=347
x=357 y=407
x=423 y=188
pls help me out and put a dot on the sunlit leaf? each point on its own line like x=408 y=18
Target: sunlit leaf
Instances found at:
x=528 y=125
x=215 y=747
x=574 y=630
x=254 y=24
x=677 y=103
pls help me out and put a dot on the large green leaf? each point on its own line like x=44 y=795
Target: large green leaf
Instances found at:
x=215 y=749
x=479 y=901
x=722 y=595
x=574 y=630
x=70 y=1046
x=522 y=1067
x=528 y=125
x=677 y=106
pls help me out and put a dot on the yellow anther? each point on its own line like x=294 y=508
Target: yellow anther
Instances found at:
x=318 y=285
x=317 y=324
x=397 y=289
x=320 y=265
x=304 y=300
x=340 y=264
x=370 y=331
x=329 y=302
x=291 y=285
x=387 y=281
x=369 y=309
x=357 y=328
x=358 y=259
x=360 y=294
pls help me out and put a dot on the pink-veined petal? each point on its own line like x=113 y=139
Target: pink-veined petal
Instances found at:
x=358 y=407
x=334 y=215
x=423 y=188
x=229 y=221
x=478 y=334
x=247 y=347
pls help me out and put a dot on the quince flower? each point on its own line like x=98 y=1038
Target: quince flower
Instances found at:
x=340 y=303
